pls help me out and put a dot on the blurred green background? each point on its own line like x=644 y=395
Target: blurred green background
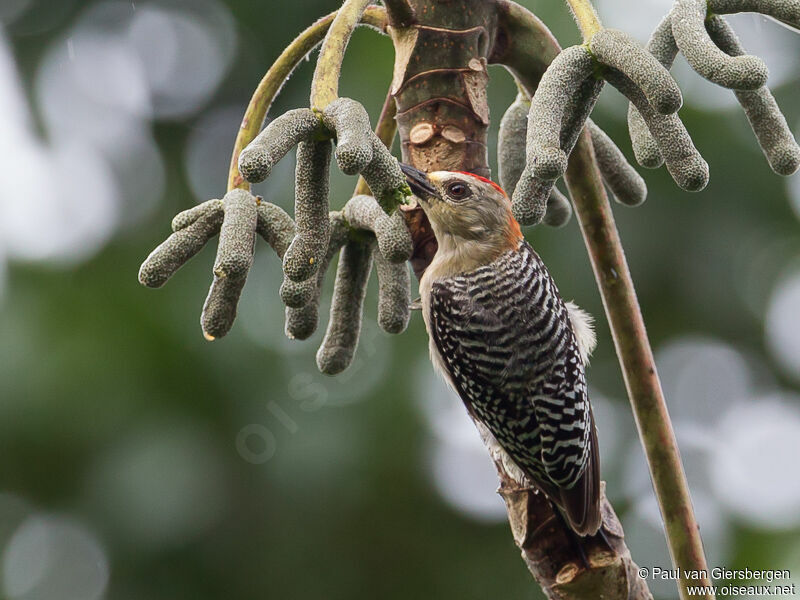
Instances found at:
x=138 y=461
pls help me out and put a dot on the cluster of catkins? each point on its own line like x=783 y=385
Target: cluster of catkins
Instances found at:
x=536 y=137
x=369 y=229
x=569 y=89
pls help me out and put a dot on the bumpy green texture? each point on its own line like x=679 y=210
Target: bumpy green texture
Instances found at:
x=511 y=143
x=662 y=43
x=618 y=50
x=275 y=226
x=350 y=121
x=385 y=179
x=766 y=118
x=234 y=259
x=683 y=161
x=625 y=183
x=532 y=193
x=344 y=327
x=662 y=46
x=310 y=211
x=580 y=106
x=529 y=203
x=296 y=294
x=394 y=294
x=394 y=239
x=511 y=163
x=735 y=72
x=182 y=245
x=272 y=144
x=787 y=11
x=545 y=157
x=183 y=219
x=645 y=147
x=559 y=210
x=302 y=321
x=359 y=150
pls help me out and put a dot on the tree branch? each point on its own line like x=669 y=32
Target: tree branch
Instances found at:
x=636 y=359
x=633 y=346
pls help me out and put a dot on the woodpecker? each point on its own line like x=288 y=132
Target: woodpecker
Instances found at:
x=512 y=349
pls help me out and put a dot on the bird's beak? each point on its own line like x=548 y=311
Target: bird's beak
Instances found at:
x=418 y=182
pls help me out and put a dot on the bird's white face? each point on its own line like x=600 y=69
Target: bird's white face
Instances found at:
x=462 y=205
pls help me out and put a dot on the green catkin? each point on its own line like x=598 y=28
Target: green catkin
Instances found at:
x=579 y=107
x=394 y=294
x=344 y=327
x=275 y=226
x=272 y=144
x=734 y=72
x=394 y=240
x=787 y=11
x=179 y=247
x=559 y=210
x=683 y=161
x=662 y=46
x=310 y=211
x=545 y=157
x=529 y=203
x=532 y=194
x=625 y=183
x=296 y=294
x=385 y=179
x=183 y=219
x=237 y=235
x=234 y=259
x=303 y=321
x=278 y=230
x=766 y=118
x=350 y=121
x=511 y=163
x=616 y=49
x=511 y=143
x=662 y=43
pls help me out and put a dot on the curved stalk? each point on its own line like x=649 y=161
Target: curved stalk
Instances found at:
x=586 y=17
x=276 y=76
x=636 y=359
x=325 y=85
x=633 y=346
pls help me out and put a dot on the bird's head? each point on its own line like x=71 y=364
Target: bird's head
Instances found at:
x=465 y=207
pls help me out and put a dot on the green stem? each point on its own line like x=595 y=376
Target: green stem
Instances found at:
x=586 y=17
x=325 y=85
x=638 y=366
x=277 y=75
x=633 y=346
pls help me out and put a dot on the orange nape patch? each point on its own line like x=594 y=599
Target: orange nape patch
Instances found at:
x=514 y=232
x=485 y=180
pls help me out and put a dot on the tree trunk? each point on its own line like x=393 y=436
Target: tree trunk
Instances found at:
x=443 y=49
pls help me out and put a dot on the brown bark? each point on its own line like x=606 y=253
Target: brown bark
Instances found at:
x=443 y=48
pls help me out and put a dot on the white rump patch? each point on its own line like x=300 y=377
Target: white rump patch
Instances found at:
x=583 y=327
x=499 y=455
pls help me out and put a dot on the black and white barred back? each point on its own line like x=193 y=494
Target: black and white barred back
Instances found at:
x=505 y=337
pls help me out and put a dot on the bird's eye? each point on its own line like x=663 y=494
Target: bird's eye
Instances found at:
x=458 y=190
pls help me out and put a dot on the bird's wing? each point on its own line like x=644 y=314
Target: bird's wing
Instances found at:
x=569 y=441
x=508 y=346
